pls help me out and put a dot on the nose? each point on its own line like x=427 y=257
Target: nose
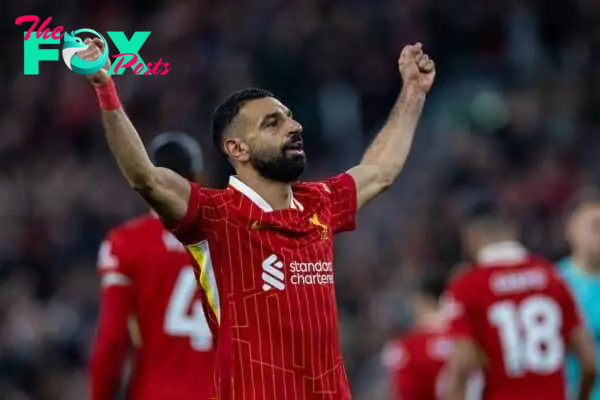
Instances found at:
x=295 y=127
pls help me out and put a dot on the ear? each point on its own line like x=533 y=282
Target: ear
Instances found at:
x=236 y=149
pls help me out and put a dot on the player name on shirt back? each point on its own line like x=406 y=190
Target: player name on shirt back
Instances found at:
x=534 y=278
x=519 y=313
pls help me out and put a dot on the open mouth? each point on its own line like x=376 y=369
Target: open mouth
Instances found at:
x=295 y=147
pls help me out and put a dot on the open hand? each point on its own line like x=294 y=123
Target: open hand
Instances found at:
x=92 y=53
x=416 y=67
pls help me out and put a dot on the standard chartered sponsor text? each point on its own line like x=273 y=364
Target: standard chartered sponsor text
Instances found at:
x=311 y=273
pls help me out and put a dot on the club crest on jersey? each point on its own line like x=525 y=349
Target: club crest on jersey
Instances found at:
x=316 y=222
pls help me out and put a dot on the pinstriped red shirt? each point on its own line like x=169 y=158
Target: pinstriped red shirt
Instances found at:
x=268 y=278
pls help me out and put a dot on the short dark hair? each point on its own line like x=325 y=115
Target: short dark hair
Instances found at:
x=486 y=215
x=433 y=283
x=482 y=209
x=229 y=109
x=179 y=152
x=586 y=196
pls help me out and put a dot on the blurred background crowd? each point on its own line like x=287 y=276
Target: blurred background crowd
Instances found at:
x=514 y=117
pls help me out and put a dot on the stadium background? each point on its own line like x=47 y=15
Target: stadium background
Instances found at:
x=514 y=116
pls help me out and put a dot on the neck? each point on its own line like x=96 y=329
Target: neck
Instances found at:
x=277 y=194
x=587 y=265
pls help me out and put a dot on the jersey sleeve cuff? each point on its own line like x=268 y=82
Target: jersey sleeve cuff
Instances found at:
x=349 y=183
x=345 y=186
x=191 y=213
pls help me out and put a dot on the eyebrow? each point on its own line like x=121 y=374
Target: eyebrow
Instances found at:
x=275 y=114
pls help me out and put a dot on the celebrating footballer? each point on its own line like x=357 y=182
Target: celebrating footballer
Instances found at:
x=276 y=337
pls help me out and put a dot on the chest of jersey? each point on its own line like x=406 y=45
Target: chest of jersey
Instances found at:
x=280 y=251
x=276 y=282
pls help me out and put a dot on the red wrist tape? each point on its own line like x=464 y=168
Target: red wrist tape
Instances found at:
x=108 y=96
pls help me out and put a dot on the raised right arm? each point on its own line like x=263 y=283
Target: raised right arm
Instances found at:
x=164 y=190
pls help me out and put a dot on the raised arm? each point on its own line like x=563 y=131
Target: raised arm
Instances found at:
x=164 y=190
x=384 y=159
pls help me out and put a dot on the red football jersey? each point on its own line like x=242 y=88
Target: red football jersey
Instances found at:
x=416 y=362
x=521 y=315
x=174 y=352
x=268 y=275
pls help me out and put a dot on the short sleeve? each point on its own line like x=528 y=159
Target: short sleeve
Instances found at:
x=455 y=309
x=192 y=228
x=115 y=260
x=342 y=189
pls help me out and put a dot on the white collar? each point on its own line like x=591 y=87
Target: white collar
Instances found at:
x=509 y=251
x=247 y=191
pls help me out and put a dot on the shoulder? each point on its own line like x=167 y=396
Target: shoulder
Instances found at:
x=320 y=188
x=329 y=185
x=459 y=270
x=144 y=225
x=311 y=194
x=120 y=246
x=463 y=292
x=203 y=197
x=552 y=270
x=211 y=192
x=215 y=196
x=463 y=275
x=330 y=188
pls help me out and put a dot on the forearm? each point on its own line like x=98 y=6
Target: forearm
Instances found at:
x=164 y=190
x=391 y=146
x=586 y=385
x=125 y=143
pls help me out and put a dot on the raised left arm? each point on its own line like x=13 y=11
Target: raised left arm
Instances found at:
x=384 y=159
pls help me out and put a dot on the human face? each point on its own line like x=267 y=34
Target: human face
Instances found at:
x=274 y=140
x=583 y=231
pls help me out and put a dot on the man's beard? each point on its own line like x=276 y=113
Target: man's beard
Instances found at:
x=283 y=168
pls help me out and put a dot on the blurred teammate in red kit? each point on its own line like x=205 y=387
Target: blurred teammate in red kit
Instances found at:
x=416 y=359
x=511 y=315
x=150 y=302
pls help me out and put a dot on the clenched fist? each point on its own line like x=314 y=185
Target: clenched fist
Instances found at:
x=416 y=68
x=95 y=49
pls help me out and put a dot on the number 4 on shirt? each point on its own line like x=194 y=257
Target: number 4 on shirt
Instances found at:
x=179 y=322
